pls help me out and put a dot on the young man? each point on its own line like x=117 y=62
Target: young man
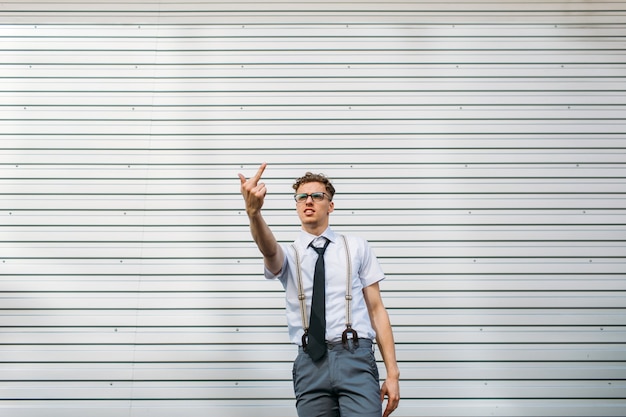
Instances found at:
x=340 y=377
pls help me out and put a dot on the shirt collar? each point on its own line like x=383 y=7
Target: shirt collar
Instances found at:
x=304 y=238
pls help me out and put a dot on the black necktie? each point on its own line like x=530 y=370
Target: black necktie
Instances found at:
x=317 y=326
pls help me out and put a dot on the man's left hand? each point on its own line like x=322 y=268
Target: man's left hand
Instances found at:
x=391 y=390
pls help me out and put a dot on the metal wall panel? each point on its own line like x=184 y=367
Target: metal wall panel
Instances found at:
x=479 y=146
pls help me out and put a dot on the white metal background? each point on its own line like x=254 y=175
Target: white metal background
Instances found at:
x=480 y=147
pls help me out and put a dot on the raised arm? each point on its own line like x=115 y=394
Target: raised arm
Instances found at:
x=253 y=192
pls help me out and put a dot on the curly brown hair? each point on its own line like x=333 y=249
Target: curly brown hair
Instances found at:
x=311 y=177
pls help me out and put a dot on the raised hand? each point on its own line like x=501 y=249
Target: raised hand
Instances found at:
x=253 y=191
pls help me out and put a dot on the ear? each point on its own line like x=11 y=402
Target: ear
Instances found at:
x=331 y=207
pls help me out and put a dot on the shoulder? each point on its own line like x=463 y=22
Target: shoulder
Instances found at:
x=354 y=241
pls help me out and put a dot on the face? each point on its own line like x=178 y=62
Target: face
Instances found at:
x=314 y=215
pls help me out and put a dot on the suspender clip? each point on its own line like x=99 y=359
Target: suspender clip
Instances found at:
x=355 y=338
x=305 y=340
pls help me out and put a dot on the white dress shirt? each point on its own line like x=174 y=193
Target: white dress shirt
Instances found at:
x=365 y=271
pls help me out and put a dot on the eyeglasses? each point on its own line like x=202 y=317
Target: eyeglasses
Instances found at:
x=317 y=197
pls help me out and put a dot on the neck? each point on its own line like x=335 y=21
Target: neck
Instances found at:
x=315 y=230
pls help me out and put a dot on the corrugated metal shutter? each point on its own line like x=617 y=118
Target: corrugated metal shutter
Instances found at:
x=480 y=147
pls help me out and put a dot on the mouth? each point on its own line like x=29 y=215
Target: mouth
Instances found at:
x=309 y=211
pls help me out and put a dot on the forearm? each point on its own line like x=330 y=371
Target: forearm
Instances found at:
x=386 y=343
x=382 y=326
x=266 y=242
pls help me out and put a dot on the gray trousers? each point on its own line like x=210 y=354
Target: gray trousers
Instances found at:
x=345 y=383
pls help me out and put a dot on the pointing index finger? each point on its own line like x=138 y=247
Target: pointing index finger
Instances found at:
x=257 y=176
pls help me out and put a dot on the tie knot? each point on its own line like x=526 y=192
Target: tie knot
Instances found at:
x=320 y=250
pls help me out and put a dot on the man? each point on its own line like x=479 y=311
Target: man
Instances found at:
x=340 y=378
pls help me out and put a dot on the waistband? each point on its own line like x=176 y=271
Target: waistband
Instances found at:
x=363 y=342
